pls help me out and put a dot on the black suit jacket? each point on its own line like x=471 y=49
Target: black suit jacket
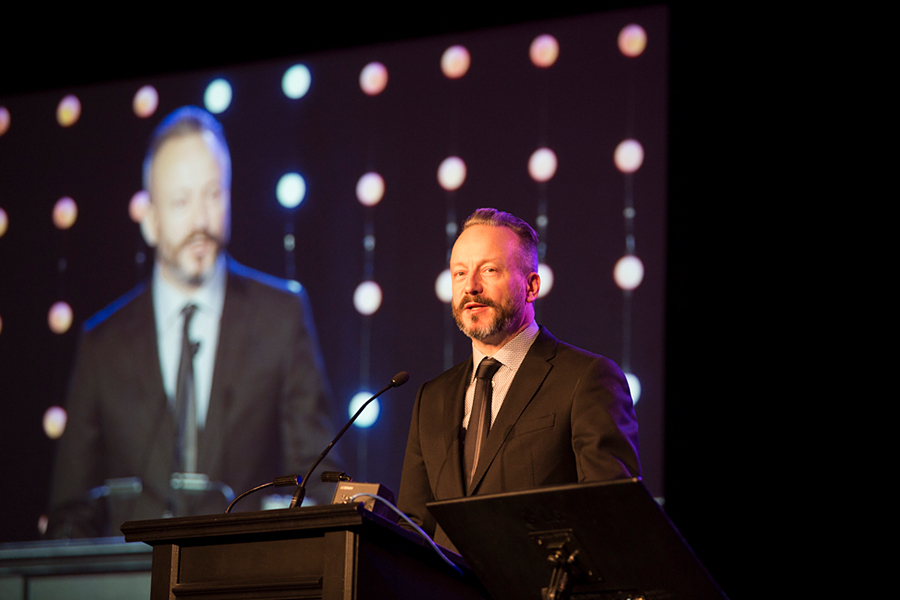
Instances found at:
x=267 y=409
x=567 y=417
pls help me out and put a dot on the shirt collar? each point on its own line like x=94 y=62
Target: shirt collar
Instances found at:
x=512 y=353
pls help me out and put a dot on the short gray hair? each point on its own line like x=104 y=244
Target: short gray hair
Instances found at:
x=185 y=121
x=528 y=237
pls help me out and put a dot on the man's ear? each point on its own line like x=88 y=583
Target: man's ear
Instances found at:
x=150 y=226
x=533 y=286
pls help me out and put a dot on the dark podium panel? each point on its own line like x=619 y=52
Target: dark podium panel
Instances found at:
x=335 y=552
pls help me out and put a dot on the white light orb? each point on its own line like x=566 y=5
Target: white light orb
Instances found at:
x=296 y=81
x=443 y=287
x=145 y=102
x=291 y=190
x=452 y=173
x=4 y=120
x=629 y=156
x=373 y=78
x=632 y=40
x=367 y=298
x=138 y=205
x=59 y=318
x=634 y=384
x=544 y=51
x=455 y=62
x=546 y=275
x=542 y=164
x=54 y=422
x=368 y=417
x=65 y=211
x=218 y=96
x=370 y=189
x=628 y=272
x=68 y=110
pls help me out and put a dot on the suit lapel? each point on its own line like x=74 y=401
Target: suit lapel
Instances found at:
x=528 y=381
x=451 y=474
x=226 y=365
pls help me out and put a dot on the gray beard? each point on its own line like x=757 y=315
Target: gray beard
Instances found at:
x=503 y=318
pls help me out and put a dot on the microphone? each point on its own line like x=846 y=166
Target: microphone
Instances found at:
x=398 y=380
x=288 y=480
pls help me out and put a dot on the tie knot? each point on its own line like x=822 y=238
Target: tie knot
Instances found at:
x=487 y=368
x=188 y=312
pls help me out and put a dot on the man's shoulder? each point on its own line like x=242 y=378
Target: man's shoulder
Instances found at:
x=123 y=310
x=261 y=285
x=557 y=350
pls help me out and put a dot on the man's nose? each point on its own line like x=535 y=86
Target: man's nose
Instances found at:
x=473 y=284
x=200 y=216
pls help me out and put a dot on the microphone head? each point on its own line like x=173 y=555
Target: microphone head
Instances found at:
x=400 y=378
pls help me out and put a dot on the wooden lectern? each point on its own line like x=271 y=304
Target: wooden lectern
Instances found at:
x=335 y=552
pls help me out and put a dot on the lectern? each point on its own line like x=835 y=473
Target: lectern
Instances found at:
x=335 y=552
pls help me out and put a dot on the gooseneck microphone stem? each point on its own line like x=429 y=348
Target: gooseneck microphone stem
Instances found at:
x=398 y=380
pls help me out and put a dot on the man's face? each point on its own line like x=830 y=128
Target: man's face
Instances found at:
x=190 y=208
x=491 y=294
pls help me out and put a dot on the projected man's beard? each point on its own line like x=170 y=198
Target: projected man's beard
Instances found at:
x=191 y=269
x=484 y=326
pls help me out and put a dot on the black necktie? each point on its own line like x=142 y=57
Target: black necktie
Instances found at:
x=480 y=419
x=185 y=401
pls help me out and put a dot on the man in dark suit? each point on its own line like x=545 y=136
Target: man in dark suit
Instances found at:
x=548 y=413
x=206 y=379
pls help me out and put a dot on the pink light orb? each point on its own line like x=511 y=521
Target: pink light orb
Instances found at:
x=628 y=272
x=455 y=62
x=544 y=51
x=632 y=40
x=4 y=222
x=65 y=211
x=55 y=419
x=138 y=205
x=146 y=101
x=373 y=78
x=629 y=156
x=452 y=173
x=370 y=189
x=68 y=110
x=60 y=317
x=1 y=325
x=542 y=164
x=4 y=120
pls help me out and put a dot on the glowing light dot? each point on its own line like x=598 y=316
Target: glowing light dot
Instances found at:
x=634 y=384
x=632 y=40
x=289 y=242
x=629 y=156
x=452 y=173
x=542 y=164
x=443 y=287
x=291 y=190
x=451 y=228
x=544 y=51
x=546 y=275
x=60 y=317
x=55 y=419
x=370 y=189
x=1 y=325
x=295 y=286
x=296 y=81
x=146 y=101
x=369 y=243
x=373 y=78
x=4 y=120
x=368 y=417
x=217 y=96
x=43 y=522
x=455 y=62
x=68 y=111
x=137 y=206
x=367 y=298
x=4 y=222
x=628 y=272
x=65 y=211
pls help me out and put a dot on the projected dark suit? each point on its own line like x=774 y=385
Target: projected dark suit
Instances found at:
x=266 y=412
x=568 y=417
